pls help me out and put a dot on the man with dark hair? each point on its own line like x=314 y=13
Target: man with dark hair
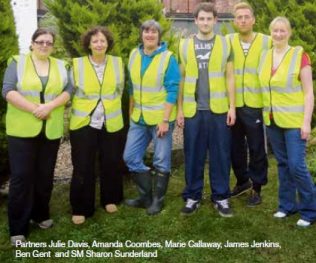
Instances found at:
x=248 y=132
x=206 y=110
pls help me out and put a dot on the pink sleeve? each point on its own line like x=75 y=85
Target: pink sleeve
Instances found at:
x=306 y=61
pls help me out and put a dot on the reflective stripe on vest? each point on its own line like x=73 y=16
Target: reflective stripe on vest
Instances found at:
x=148 y=91
x=89 y=91
x=247 y=85
x=23 y=124
x=282 y=92
x=217 y=80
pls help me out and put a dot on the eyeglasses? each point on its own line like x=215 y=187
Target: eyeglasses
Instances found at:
x=44 y=43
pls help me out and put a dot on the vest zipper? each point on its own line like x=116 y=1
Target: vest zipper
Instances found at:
x=271 y=111
x=100 y=89
x=243 y=70
x=42 y=93
x=141 y=87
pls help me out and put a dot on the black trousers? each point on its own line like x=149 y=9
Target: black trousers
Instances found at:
x=248 y=134
x=85 y=143
x=32 y=163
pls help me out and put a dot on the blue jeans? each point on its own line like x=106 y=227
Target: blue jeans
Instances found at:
x=289 y=150
x=138 y=139
x=204 y=133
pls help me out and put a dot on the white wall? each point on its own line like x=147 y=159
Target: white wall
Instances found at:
x=25 y=15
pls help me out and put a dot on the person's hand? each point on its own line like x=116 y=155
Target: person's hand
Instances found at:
x=162 y=129
x=180 y=119
x=43 y=111
x=231 y=117
x=305 y=131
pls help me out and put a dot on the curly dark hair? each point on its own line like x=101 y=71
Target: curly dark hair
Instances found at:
x=86 y=37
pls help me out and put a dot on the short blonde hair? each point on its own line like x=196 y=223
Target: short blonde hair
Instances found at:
x=283 y=20
x=243 y=5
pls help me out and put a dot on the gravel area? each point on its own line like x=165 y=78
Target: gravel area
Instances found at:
x=63 y=169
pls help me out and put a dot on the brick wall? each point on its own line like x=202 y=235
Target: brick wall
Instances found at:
x=187 y=6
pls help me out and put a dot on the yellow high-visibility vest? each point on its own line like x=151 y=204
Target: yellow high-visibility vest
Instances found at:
x=282 y=93
x=148 y=91
x=219 y=102
x=89 y=91
x=24 y=124
x=248 y=91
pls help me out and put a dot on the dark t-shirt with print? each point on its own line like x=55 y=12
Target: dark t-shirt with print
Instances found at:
x=203 y=50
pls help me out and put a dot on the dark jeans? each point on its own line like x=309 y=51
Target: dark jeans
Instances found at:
x=248 y=134
x=204 y=133
x=32 y=163
x=85 y=143
x=297 y=191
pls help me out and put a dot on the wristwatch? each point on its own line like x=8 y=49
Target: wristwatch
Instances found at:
x=165 y=121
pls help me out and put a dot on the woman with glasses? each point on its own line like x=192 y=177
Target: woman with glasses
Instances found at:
x=96 y=125
x=36 y=88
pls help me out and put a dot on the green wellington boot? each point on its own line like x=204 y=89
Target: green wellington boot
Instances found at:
x=160 y=188
x=143 y=182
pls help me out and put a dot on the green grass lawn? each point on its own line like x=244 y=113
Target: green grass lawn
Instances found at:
x=247 y=225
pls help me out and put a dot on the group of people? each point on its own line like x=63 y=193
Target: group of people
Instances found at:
x=224 y=95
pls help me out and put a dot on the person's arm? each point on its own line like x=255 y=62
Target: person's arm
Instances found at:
x=163 y=127
x=307 y=85
x=180 y=115
x=131 y=94
x=230 y=82
x=131 y=105
x=43 y=110
x=18 y=101
x=171 y=84
x=10 y=93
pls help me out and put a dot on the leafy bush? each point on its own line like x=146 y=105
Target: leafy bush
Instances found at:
x=9 y=46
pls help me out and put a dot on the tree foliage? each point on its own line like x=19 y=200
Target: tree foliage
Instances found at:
x=123 y=18
x=8 y=47
x=302 y=16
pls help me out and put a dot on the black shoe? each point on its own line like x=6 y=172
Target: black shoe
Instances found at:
x=190 y=207
x=240 y=189
x=223 y=208
x=254 y=199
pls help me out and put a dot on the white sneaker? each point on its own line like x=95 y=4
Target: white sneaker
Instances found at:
x=190 y=206
x=17 y=240
x=223 y=208
x=303 y=223
x=279 y=214
x=46 y=224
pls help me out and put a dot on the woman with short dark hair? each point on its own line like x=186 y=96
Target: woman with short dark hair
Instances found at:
x=96 y=125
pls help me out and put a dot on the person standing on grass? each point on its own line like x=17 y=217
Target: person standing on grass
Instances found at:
x=36 y=88
x=96 y=124
x=206 y=110
x=285 y=75
x=154 y=78
x=248 y=131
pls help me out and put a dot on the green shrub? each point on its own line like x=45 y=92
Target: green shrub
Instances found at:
x=8 y=47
